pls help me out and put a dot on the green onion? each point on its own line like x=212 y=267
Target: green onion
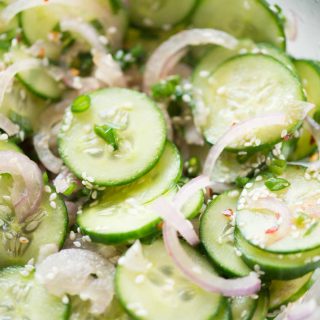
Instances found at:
x=311 y=229
x=166 y=88
x=192 y=167
x=276 y=184
x=108 y=134
x=242 y=181
x=81 y=104
x=277 y=166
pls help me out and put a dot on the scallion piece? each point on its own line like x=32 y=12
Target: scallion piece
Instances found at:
x=108 y=134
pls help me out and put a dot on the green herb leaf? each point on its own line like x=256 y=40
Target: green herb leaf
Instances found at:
x=166 y=88
x=108 y=134
x=277 y=166
x=242 y=181
x=81 y=104
x=276 y=184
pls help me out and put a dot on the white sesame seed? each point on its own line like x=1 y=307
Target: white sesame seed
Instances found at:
x=53 y=196
x=65 y=299
x=77 y=244
x=53 y=205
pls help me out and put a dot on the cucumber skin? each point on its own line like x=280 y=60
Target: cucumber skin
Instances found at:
x=295 y=296
x=133 y=178
x=276 y=273
x=221 y=268
x=147 y=230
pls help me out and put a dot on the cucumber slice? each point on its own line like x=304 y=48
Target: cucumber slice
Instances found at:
x=215 y=233
x=140 y=129
x=309 y=73
x=224 y=312
x=4 y=26
x=217 y=55
x=284 y=292
x=301 y=197
x=164 y=292
x=80 y=311
x=242 y=308
x=277 y=266
x=243 y=19
x=21 y=242
x=159 y=14
x=49 y=17
x=262 y=306
x=9 y=146
x=38 y=81
x=231 y=95
x=23 y=108
x=123 y=213
x=22 y=297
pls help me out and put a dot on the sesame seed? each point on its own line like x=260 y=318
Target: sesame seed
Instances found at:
x=53 y=205
x=53 y=196
x=65 y=299
x=77 y=244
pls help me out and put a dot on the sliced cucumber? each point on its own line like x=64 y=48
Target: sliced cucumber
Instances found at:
x=50 y=16
x=23 y=108
x=38 y=80
x=224 y=312
x=138 y=125
x=216 y=233
x=124 y=213
x=309 y=73
x=242 y=308
x=217 y=55
x=22 y=297
x=301 y=197
x=164 y=292
x=80 y=311
x=7 y=145
x=284 y=292
x=246 y=86
x=5 y=26
x=262 y=306
x=159 y=14
x=243 y=19
x=21 y=242
x=277 y=266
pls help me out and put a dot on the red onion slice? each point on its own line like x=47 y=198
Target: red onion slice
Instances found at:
x=279 y=207
x=8 y=126
x=169 y=213
x=171 y=51
x=237 y=131
x=86 y=30
x=27 y=182
x=9 y=73
x=189 y=189
x=79 y=272
x=205 y=279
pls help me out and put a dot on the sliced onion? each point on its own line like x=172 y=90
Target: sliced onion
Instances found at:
x=107 y=69
x=47 y=158
x=169 y=213
x=189 y=189
x=134 y=259
x=86 y=30
x=300 y=311
x=79 y=272
x=279 y=207
x=9 y=73
x=205 y=279
x=314 y=129
x=27 y=182
x=171 y=51
x=18 y=6
x=237 y=131
x=8 y=126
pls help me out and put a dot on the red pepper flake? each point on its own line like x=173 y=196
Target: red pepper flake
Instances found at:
x=228 y=213
x=74 y=72
x=272 y=230
x=160 y=225
x=287 y=137
x=312 y=140
x=42 y=53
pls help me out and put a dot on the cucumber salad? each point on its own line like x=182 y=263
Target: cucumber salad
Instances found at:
x=159 y=160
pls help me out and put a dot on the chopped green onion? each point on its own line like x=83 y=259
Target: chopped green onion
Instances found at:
x=84 y=63
x=277 y=166
x=276 y=184
x=242 y=181
x=81 y=104
x=71 y=189
x=108 y=134
x=165 y=89
x=316 y=116
x=192 y=167
x=311 y=229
